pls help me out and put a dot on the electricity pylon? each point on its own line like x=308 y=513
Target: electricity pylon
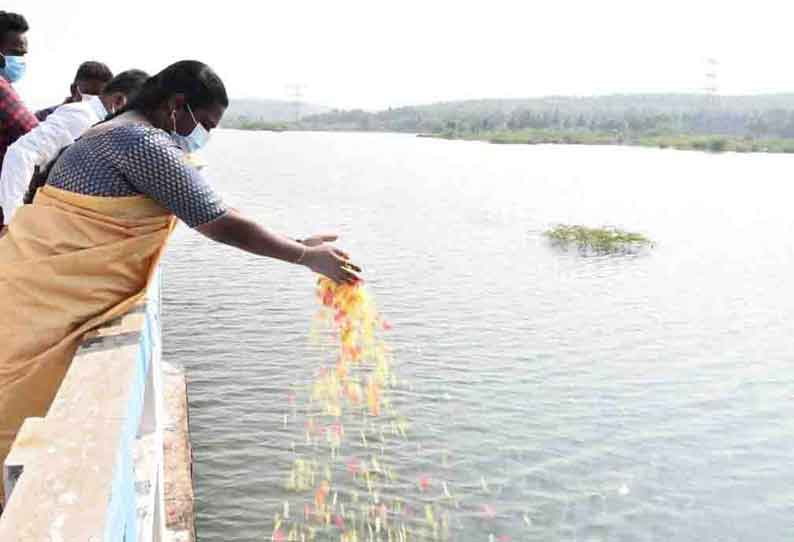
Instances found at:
x=712 y=88
x=295 y=91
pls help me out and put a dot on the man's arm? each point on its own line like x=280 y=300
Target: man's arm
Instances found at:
x=38 y=148
x=42 y=114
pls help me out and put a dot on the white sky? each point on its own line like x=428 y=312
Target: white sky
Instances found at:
x=376 y=53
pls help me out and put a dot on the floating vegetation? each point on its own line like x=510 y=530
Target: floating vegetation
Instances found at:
x=606 y=240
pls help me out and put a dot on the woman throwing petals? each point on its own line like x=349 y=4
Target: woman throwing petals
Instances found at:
x=83 y=253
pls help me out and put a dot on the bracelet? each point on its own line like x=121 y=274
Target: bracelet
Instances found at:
x=303 y=255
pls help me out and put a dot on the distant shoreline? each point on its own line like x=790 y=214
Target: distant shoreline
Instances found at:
x=685 y=142
x=257 y=126
x=693 y=142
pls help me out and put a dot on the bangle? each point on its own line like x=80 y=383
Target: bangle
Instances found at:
x=303 y=255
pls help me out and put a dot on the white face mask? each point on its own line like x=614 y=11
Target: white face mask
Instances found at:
x=193 y=141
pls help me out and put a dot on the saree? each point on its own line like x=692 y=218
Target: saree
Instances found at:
x=68 y=264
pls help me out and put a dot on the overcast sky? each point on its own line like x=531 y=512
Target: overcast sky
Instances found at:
x=375 y=54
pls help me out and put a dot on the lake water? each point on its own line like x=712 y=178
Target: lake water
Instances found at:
x=556 y=396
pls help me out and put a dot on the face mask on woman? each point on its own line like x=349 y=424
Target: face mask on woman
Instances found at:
x=193 y=141
x=14 y=69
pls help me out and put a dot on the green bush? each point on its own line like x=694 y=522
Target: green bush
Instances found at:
x=717 y=145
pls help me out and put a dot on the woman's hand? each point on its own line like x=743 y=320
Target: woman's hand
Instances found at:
x=331 y=262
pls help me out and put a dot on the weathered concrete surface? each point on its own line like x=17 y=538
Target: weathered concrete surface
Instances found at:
x=179 y=497
x=65 y=487
x=40 y=451
x=68 y=458
x=26 y=446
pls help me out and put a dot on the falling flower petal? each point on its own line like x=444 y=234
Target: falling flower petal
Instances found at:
x=487 y=511
x=424 y=482
x=352 y=390
x=353 y=466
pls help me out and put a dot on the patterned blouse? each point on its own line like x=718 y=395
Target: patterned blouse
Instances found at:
x=136 y=159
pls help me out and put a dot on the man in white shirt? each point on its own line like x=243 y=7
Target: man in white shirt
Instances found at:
x=91 y=78
x=44 y=143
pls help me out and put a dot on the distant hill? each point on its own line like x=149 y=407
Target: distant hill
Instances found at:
x=264 y=111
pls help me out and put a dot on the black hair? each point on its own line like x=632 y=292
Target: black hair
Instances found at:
x=11 y=22
x=200 y=85
x=128 y=82
x=93 y=71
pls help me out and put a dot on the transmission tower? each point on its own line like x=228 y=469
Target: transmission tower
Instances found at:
x=712 y=88
x=295 y=91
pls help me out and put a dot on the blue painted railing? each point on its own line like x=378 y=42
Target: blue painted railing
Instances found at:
x=122 y=508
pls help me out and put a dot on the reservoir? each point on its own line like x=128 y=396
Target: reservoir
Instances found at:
x=554 y=395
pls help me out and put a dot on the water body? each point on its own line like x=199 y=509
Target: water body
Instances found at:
x=632 y=398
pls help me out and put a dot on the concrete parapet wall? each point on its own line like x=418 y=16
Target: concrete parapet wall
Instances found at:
x=111 y=461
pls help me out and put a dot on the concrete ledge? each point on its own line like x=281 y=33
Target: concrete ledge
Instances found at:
x=179 y=497
x=111 y=461
x=130 y=323
x=29 y=441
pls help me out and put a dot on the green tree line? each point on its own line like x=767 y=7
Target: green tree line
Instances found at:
x=652 y=115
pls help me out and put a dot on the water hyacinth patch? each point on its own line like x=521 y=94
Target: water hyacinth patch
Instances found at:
x=605 y=240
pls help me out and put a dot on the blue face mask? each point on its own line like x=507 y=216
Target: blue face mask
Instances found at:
x=14 y=69
x=193 y=141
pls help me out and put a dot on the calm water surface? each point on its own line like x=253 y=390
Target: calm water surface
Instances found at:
x=561 y=397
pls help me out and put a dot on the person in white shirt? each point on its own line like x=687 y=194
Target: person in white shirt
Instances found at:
x=44 y=143
x=91 y=78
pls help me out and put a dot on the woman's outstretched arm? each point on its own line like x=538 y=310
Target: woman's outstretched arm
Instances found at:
x=236 y=230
